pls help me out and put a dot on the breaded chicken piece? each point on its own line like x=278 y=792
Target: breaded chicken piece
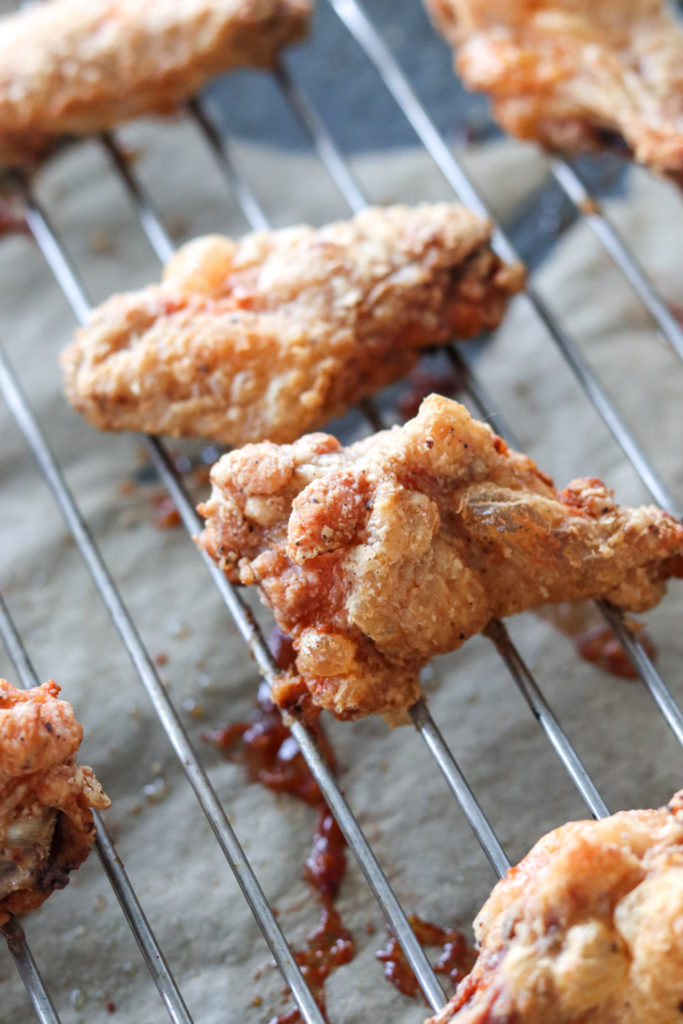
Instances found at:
x=272 y=335
x=70 y=67
x=585 y=930
x=577 y=77
x=46 y=825
x=380 y=555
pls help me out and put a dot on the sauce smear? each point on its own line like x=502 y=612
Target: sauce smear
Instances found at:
x=271 y=756
x=456 y=959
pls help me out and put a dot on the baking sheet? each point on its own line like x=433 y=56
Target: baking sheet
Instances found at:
x=84 y=949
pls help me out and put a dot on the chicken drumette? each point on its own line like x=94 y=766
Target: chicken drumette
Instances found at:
x=46 y=824
x=380 y=555
x=70 y=67
x=585 y=930
x=272 y=335
x=576 y=76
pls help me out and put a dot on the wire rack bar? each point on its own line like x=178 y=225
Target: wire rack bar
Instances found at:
x=368 y=38
x=479 y=397
x=445 y=760
x=333 y=161
x=488 y=840
x=642 y=663
x=111 y=862
x=396 y=917
x=541 y=710
x=29 y=973
x=160 y=242
x=575 y=187
x=508 y=652
x=160 y=701
x=310 y=749
x=234 y=177
x=328 y=151
x=147 y=212
x=422 y=718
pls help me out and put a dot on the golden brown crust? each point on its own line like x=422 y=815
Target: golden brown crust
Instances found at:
x=585 y=930
x=70 y=67
x=376 y=557
x=576 y=77
x=272 y=335
x=46 y=823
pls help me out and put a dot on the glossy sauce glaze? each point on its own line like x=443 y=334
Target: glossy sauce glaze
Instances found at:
x=455 y=960
x=600 y=646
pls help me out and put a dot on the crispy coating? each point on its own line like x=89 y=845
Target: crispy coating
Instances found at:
x=46 y=825
x=576 y=77
x=585 y=930
x=380 y=555
x=70 y=67
x=272 y=335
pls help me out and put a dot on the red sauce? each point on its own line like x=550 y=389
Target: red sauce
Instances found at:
x=12 y=219
x=423 y=384
x=271 y=756
x=456 y=959
x=600 y=646
x=165 y=516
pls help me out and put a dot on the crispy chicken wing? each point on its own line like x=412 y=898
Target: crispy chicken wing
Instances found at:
x=380 y=555
x=585 y=930
x=69 y=67
x=576 y=76
x=46 y=826
x=272 y=335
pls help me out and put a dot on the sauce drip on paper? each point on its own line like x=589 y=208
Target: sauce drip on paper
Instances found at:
x=271 y=757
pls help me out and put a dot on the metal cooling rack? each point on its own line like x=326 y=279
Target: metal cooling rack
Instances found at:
x=353 y=16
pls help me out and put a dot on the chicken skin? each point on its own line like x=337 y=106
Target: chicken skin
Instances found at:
x=576 y=77
x=272 y=335
x=70 y=67
x=585 y=930
x=378 y=556
x=46 y=824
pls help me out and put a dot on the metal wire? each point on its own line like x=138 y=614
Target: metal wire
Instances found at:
x=355 y=19
x=111 y=862
x=575 y=187
x=163 y=706
x=421 y=717
x=28 y=972
x=64 y=270
x=367 y=36
x=640 y=659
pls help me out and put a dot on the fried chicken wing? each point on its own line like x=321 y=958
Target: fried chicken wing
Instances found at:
x=70 y=67
x=380 y=555
x=585 y=930
x=271 y=336
x=46 y=825
x=576 y=76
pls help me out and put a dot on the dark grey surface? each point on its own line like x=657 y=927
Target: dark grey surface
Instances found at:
x=363 y=117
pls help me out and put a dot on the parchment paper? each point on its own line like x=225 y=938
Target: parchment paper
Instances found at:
x=80 y=939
